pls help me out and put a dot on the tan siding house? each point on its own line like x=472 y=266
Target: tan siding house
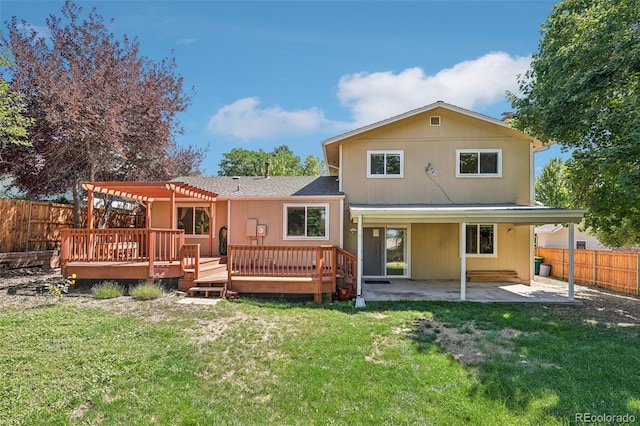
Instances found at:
x=437 y=193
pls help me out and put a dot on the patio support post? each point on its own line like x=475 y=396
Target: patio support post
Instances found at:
x=359 y=299
x=89 y=208
x=147 y=215
x=463 y=261
x=571 y=259
x=90 y=241
x=212 y=227
x=172 y=221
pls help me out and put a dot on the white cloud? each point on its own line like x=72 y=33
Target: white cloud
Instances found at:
x=244 y=119
x=375 y=96
x=483 y=81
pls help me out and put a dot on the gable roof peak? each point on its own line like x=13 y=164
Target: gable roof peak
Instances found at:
x=414 y=112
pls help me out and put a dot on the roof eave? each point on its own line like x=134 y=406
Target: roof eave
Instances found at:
x=457 y=215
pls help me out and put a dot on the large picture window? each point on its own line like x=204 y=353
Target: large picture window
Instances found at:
x=303 y=221
x=194 y=220
x=481 y=240
x=479 y=163
x=385 y=164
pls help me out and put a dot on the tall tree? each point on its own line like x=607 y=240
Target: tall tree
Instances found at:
x=552 y=189
x=101 y=111
x=583 y=91
x=282 y=162
x=13 y=122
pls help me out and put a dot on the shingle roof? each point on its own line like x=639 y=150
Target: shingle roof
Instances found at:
x=268 y=187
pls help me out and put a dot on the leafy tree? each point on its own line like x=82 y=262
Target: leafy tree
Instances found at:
x=101 y=111
x=552 y=188
x=583 y=91
x=13 y=122
x=282 y=162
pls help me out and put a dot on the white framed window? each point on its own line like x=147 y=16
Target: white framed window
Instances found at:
x=194 y=220
x=481 y=240
x=385 y=164
x=434 y=120
x=306 y=221
x=478 y=163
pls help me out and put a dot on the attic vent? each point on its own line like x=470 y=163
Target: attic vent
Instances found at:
x=434 y=120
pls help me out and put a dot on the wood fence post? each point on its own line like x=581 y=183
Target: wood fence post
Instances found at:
x=638 y=273
x=595 y=269
x=26 y=247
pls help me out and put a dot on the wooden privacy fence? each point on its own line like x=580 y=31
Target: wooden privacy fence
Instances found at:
x=613 y=270
x=35 y=225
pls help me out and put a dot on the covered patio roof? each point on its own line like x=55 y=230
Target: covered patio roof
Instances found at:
x=458 y=213
x=150 y=191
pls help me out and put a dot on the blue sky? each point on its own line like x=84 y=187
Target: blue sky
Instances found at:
x=269 y=73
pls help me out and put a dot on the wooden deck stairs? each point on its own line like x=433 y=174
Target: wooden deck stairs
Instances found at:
x=209 y=278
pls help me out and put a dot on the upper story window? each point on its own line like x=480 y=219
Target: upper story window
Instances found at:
x=306 y=221
x=478 y=163
x=194 y=220
x=385 y=164
x=481 y=240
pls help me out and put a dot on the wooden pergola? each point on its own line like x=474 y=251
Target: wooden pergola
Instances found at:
x=149 y=192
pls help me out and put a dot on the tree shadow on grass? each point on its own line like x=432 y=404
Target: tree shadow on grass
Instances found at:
x=539 y=360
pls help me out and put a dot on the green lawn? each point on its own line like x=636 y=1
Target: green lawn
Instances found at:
x=251 y=362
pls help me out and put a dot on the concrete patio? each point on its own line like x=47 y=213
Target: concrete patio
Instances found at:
x=543 y=290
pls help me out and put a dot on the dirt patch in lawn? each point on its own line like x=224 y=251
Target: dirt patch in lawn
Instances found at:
x=467 y=344
x=470 y=345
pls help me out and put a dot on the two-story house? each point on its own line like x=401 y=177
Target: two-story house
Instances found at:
x=439 y=192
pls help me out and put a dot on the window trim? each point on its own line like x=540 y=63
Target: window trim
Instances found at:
x=479 y=174
x=194 y=207
x=495 y=240
x=385 y=152
x=285 y=220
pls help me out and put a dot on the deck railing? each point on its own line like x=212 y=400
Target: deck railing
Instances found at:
x=347 y=266
x=317 y=262
x=121 y=245
x=281 y=261
x=190 y=259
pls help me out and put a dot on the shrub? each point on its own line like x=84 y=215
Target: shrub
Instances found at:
x=107 y=290
x=146 y=291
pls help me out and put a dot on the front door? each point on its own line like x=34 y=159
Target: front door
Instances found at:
x=384 y=252
x=373 y=252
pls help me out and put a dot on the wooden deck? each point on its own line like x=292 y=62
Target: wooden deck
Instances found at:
x=137 y=254
x=126 y=270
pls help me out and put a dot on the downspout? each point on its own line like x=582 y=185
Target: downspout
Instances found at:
x=463 y=262
x=341 y=242
x=228 y=220
x=359 y=299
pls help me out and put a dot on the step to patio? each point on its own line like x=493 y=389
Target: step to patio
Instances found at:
x=493 y=275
